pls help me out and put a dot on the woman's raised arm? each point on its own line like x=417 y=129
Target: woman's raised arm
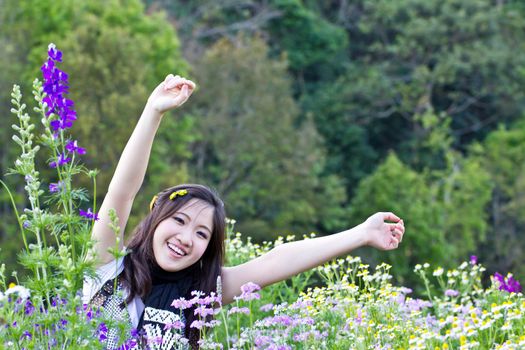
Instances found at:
x=289 y=259
x=131 y=168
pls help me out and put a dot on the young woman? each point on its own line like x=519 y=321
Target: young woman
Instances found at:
x=179 y=246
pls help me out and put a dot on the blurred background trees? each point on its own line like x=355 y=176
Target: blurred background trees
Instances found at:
x=309 y=115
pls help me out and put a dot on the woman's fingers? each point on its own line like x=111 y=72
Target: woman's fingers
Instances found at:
x=391 y=217
x=397 y=231
x=172 y=82
x=190 y=84
x=184 y=95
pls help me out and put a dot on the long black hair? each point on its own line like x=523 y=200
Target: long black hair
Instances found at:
x=136 y=277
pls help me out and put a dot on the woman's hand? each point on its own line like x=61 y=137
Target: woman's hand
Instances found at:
x=171 y=93
x=384 y=231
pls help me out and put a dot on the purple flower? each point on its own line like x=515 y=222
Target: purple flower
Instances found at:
x=62 y=159
x=197 y=324
x=55 y=86
x=72 y=147
x=473 y=260
x=88 y=214
x=418 y=304
x=88 y=312
x=284 y=320
x=248 y=292
x=203 y=311
x=29 y=308
x=55 y=187
x=451 y=293
x=508 y=284
x=262 y=340
x=177 y=325
x=359 y=317
x=182 y=303
x=513 y=285
x=300 y=304
x=499 y=277
x=250 y=287
x=102 y=332
x=303 y=336
x=53 y=53
x=266 y=308
x=26 y=335
x=239 y=310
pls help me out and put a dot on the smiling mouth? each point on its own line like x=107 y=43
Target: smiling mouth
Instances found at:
x=176 y=249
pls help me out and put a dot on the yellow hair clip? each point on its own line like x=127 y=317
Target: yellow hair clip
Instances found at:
x=179 y=193
x=152 y=203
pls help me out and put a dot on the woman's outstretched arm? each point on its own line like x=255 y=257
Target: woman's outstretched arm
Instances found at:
x=289 y=259
x=131 y=168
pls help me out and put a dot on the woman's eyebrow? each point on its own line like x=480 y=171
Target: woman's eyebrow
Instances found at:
x=184 y=214
x=206 y=227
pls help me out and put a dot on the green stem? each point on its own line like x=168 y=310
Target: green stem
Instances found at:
x=223 y=315
x=17 y=216
x=94 y=200
x=238 y=321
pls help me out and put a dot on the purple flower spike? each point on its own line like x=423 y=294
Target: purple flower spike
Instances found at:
x=56 y=86
x=88 y=214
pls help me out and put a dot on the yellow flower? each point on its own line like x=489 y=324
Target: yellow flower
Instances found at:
x=11 y=285
x=463 y=340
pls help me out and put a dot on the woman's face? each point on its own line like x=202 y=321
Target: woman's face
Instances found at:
x=180 y=241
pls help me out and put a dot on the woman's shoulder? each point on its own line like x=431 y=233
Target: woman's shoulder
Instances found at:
x=103 y=273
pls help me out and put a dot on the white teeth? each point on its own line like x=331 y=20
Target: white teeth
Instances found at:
x=176 y=249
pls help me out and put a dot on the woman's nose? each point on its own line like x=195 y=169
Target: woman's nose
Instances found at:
x=184 y=237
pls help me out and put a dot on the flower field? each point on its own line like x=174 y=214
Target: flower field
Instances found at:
x=356 y=307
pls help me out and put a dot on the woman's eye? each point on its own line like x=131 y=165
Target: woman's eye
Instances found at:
x=179 y=220
x=202 y=234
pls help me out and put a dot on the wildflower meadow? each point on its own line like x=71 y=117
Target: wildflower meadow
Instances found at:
x=345 y=304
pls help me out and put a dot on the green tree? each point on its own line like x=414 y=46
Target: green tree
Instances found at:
x=445 y=210
x=460 y=58
x=116 y=54
x=463 y=187
x=503 y=157
x=397 y=188
x=117 y=58
x=267 y=169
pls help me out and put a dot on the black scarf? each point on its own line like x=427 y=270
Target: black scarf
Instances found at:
x=166 y=287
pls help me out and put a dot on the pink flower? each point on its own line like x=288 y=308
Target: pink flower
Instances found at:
x=238 y=310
